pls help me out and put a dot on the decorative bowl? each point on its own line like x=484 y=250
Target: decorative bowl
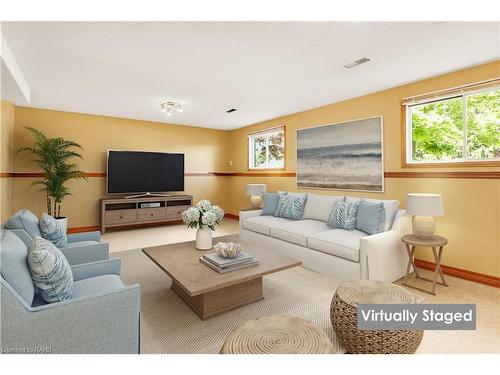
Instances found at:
x=228 y=249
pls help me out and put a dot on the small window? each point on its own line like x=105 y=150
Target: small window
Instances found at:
x=266 y=149
x=463 y=127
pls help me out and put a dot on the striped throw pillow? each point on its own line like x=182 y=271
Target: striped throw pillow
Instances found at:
x=344 y=215
x=50 y=270
x=53 y=231
x=291 y=206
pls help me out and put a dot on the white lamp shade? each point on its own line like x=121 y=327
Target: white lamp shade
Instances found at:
x=424 y=204
x=256 y=189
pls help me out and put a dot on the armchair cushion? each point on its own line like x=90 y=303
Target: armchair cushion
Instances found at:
x=53 y=231
x=25 y=220
x=97 y=285
x=84 y=236
x=50 y=270
x=14 y=265
x=85 y=252
x=80 y=244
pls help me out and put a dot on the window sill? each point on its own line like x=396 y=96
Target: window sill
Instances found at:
x=452 y=164
x=265 y=169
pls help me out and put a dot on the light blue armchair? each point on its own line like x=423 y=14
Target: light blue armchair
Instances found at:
x=82 y=247
x=102 y=315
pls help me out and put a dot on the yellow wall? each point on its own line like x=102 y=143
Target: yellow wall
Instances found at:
x=204 y=151
x=6 y=158
x=472 y=206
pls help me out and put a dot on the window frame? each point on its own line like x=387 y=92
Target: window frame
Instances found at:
x=263 y=131
x=407 y=140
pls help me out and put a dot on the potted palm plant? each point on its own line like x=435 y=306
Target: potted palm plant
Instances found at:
x=53 y=156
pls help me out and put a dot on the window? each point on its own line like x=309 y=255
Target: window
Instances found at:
x=266 y=149
x=459 y=127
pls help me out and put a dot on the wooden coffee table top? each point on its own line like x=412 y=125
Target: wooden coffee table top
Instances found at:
x=181 y=262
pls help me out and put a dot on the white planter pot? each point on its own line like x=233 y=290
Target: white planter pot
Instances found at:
x=203 y=238
x=64 y=223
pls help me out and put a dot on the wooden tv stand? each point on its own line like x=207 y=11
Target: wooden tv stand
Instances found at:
x=130 y=212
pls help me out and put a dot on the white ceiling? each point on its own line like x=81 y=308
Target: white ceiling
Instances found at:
x=265 y=70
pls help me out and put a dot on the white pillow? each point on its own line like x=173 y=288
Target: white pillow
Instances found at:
x=319 y=207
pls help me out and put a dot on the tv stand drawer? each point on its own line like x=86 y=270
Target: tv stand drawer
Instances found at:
x=175 y=212
x=145 y=214
x=120 y=216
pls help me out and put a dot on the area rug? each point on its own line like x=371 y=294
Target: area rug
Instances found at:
x=168 y=325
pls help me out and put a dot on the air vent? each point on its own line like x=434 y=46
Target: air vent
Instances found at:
x=357 y=62
x=231 y=110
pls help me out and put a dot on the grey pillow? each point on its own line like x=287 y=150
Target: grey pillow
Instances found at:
x=271 y=201
x=344 y=215
x=50 y=271
x=370 y=217
x=291 y=206
x=53 y=231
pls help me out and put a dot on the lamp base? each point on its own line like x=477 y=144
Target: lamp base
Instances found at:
x=424 y=226
x=256 y=201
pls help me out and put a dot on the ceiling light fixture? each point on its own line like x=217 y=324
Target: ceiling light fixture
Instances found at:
x=357 y=62
x=169 y=106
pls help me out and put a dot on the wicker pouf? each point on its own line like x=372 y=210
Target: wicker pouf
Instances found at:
x=343 y=313
x=278 y=335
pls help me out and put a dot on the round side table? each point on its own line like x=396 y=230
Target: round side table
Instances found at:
x=344 y=317
x=412 y=241
x=278 y=335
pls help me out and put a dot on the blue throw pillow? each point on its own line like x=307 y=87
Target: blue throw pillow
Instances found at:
x=344 y=214
x=50 y=271
x=53 y=231
x=291 y=206
x=271 y=201
x=370 y=217
x=25 y=220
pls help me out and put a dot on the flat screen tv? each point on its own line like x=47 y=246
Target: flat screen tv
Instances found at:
x=144 y=172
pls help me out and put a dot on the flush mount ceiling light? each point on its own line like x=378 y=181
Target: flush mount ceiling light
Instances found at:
x=357 y=62
x=169 y=106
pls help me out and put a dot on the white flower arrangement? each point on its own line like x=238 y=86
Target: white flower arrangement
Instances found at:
x=203 y=214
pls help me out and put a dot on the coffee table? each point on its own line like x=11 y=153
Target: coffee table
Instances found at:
x=207 y=292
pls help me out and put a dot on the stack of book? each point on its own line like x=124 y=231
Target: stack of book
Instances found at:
x=223 y=265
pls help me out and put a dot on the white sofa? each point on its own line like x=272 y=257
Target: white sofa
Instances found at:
x=346 y=255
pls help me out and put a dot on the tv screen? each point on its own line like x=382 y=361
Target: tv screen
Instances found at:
x=144 y=172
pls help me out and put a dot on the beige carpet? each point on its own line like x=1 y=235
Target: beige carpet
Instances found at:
x=169 y=326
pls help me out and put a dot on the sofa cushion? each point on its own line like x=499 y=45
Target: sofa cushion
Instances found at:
x=319 y=207
x=14 y=265
x=297 y=231
x=53 y=231
x=338 y=242
x=391 y=209
x=25 y=220
x=262 y=224
x=291 y=206
x=344 y=215
x=50 y=270
x=271 y=201
x=96 y=285
x=371 y=217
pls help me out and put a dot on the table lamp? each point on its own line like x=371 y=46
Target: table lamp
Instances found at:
x=424 y=207
x=255 y=192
